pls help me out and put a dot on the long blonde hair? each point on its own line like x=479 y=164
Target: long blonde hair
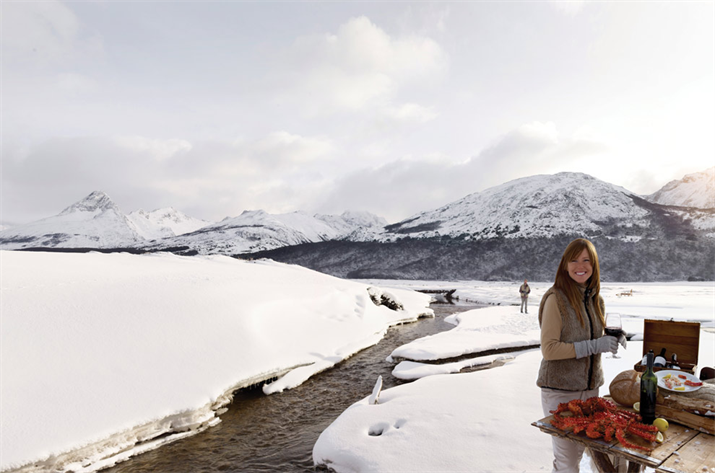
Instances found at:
x=569 y=287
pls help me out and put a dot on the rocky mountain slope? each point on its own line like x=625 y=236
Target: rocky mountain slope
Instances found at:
x=694 y=190
x=531 y=207
x=519 y=230
x=512 y=231
x=256 y=230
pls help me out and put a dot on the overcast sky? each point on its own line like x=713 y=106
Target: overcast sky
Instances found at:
x=391 y=107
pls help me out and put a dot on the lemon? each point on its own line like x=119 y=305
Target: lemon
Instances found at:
x=637 y=407
x=661 y=423
x=659 y=437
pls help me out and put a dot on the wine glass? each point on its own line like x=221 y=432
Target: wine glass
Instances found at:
x=614 y=328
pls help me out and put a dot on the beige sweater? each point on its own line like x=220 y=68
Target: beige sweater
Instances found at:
x=552 y=348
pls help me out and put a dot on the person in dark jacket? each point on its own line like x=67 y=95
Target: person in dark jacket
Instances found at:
x=524 y=290
x=571 y=316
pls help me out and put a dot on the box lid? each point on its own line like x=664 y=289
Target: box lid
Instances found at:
x=682 y=338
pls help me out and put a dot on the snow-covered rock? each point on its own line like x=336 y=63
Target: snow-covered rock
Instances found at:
x=93 y=222
x=536 y=206
x=162 y=223
x=694 y=190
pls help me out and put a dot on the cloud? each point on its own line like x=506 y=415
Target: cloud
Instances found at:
x=160 y=150
x=76 y=84
x=357 y=68
x=286 y=147
x=43 y=33
x=568 y=7
x=403 y=187
x=278 y=172
x=411 y=112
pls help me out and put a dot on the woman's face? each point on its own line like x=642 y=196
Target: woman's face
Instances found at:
x=580 y=269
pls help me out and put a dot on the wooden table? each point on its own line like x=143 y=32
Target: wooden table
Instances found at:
x=684 y=450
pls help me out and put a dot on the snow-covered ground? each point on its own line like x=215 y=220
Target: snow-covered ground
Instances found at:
x=692 y=301
x=104 y=354
x=481 y=421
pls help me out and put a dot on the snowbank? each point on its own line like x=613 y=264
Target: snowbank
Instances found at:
x=470 y=422
x=477 y=330
x=105 y=354
x=481 y=421
x=692 y=301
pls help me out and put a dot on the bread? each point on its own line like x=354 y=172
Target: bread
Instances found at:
x=625 y=388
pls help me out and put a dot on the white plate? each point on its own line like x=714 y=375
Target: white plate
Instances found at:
x=662 y=374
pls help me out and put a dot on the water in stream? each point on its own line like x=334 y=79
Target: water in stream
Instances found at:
x=276 y=433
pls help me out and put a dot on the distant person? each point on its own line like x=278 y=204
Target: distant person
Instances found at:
x=524 y=290
x=571 y=316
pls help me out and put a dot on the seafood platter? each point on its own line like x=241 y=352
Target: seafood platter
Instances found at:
x=678 y=381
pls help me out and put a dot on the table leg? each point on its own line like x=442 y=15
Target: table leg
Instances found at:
x=603 y=463
x=634 y=467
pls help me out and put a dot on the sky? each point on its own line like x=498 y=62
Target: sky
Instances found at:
x=394 y=108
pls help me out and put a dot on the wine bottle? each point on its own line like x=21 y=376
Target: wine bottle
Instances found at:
x=673 y=365
x=660 y=359
x=649 y=386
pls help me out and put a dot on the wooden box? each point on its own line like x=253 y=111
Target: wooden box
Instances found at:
x=682 y=338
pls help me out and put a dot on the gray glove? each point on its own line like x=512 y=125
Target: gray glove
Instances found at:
x=622 y=341
x=600 y=345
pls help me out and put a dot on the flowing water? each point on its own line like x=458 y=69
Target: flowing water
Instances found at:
x=276 y=433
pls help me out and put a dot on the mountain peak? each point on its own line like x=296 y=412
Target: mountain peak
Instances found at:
x=94 y=202
x=693 y=190
x=535 y=206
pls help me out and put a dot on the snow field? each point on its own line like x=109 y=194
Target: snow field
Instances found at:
x=101 y=352
x=481 y=421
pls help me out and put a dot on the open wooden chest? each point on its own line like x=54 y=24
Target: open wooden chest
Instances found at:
x=682 y=338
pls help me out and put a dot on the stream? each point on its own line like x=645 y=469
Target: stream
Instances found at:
x=276 y=433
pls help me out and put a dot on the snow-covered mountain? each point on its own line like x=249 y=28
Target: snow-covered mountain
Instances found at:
x=355 y=226
x=519 y=230
x=257 y=230
x=162 y=223
x=93 y=222
x=531 y=207
x=97 y=222
x=694 y=190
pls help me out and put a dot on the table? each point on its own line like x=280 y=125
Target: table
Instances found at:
x=684 y=450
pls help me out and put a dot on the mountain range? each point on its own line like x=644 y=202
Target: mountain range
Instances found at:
x=510 y=231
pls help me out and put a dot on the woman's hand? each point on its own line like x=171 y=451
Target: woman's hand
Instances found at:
x=599 y=345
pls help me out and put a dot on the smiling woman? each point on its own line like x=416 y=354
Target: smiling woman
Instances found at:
x=571 y=317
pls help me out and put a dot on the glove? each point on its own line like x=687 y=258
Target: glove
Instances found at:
x=600 y=345
x=622 y=341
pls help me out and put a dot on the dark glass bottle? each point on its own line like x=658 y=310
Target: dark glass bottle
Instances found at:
x=649 y=386
x=660 y=359
x=673 y=365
